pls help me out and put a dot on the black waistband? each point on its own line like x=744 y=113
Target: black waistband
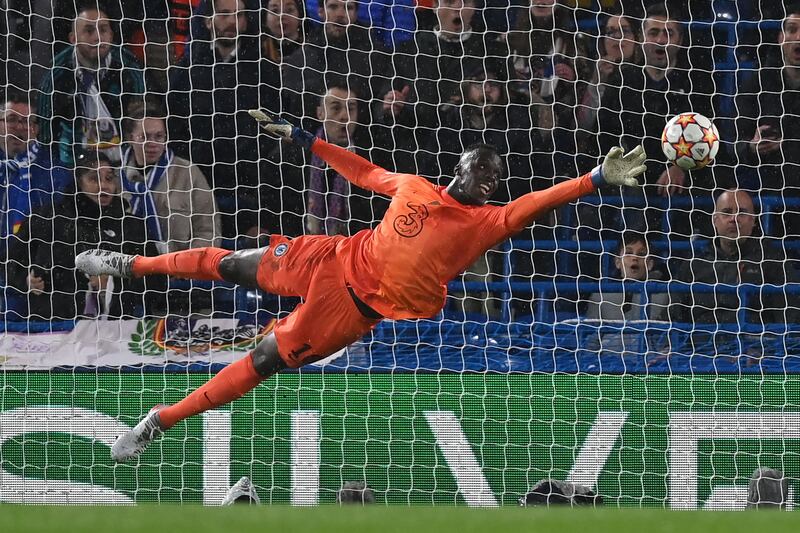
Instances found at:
x=363 y=308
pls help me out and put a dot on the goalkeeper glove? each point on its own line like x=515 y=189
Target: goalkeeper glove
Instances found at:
x=282 y=129
x=619 y=169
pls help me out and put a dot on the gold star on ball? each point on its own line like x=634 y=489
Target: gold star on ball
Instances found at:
x=683 y=148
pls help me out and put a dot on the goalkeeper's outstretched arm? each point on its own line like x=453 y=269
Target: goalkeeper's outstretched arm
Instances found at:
x=617 y=169
x=352 y=167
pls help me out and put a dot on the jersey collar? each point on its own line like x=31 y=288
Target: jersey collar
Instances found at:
x=449 y=200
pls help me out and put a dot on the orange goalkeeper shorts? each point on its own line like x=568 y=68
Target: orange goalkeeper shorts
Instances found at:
x=328 y=319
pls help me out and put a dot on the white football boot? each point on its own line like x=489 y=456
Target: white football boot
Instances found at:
x=105 y=263
x=136 y=440
x=242 y=492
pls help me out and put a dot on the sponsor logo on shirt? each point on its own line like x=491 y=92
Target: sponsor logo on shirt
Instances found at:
x=410 y=224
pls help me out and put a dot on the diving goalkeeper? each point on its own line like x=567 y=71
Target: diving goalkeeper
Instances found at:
x=398 y=270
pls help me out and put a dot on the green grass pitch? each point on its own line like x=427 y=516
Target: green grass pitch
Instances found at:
x=381 y=519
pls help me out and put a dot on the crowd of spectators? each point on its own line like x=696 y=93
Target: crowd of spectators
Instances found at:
x=133 y=135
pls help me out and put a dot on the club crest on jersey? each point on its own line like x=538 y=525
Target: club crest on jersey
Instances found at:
x=281 y=249
x=410 y=224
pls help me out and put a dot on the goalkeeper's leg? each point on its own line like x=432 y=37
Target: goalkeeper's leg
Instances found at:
x=331 y=318
x=210 y=264
x=229 y=384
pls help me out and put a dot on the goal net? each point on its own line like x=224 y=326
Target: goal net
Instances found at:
x=641 y=342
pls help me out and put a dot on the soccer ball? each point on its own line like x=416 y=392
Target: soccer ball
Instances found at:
x=690 y=140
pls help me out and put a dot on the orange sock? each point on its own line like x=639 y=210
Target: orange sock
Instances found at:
x=230 y=383
x=198 y=263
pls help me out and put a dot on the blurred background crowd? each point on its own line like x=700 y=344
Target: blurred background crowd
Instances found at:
x=124 y=125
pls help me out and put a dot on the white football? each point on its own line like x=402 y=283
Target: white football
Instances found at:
x=690 y=140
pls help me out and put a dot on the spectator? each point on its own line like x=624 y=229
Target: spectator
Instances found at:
x=210 y=91
x=340 y=48
x=333 y=205
x=635 y=113
x=392 y=21
x=91 y=83
x=619 y=44
x=430 y=71
x=487 y=116
x=27 y=27
x=552 y=66
x=30 y=174
x=549 y=60
x=30 y=177
x=42 y=257
x=769 y=130
x=169 y=192
x=158 y=34
x=634 y=263
x=283 y=32
x=662 y=87
x=737 y=256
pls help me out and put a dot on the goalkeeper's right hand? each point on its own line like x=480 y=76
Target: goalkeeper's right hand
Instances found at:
x=282 y=129
x=619 y=169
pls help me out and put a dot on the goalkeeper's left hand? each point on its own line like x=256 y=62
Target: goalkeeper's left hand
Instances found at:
x=282 y=129
x=619 y=168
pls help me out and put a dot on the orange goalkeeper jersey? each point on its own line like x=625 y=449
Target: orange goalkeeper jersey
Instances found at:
x=426 y=238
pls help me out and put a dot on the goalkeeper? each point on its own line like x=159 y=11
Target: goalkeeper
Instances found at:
x=398 y=270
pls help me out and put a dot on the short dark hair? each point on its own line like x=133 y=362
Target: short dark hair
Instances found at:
x=338 y=82
x=792 y=8
x=322 y=4
x=139 y=110
x=631 y=237
x=17 y=96
x=90 y=160
x=482 y=147
x=212 y=6
x=90 y=5
x=656 y=11
x=660 y=11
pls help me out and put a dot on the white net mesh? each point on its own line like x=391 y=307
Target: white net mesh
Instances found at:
x=640 y=343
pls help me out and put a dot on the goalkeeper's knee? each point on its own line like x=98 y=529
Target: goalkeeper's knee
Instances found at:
x=242 y=267
x=266 y=359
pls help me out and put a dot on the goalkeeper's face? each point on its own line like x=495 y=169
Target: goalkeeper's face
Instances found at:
x=477 y=176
